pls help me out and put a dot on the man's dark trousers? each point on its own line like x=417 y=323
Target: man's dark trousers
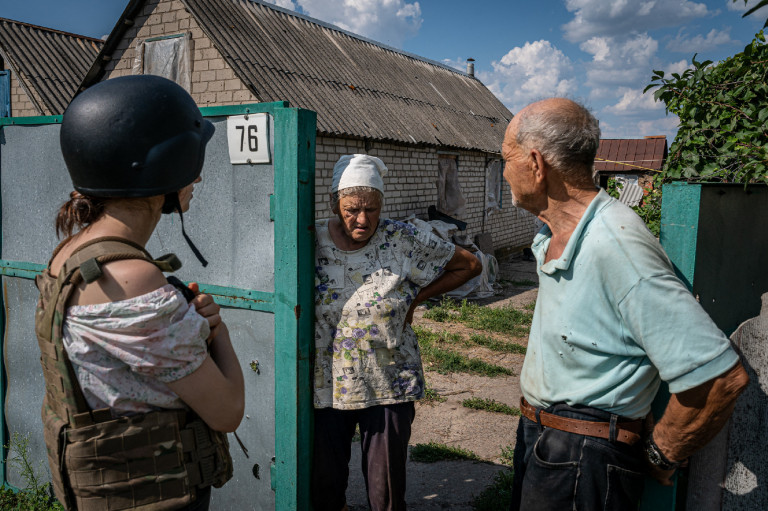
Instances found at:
x=556 y=470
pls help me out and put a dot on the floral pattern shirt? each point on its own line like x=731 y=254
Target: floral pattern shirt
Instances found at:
x=363 y=355
x=125 y=352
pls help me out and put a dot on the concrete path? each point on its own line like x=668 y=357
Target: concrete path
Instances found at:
x=431 y=486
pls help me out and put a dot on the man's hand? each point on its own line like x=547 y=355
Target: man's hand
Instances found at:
x=693 y=417
x=207 y=308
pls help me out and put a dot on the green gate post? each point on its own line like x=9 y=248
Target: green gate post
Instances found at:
x=714 y=234
x=294 y=305
x=679 y=229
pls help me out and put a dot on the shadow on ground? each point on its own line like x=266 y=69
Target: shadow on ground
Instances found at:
x=431 y=486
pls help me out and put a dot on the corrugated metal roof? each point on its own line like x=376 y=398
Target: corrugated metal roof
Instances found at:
x=631 y=155
x=49 y=62
x=359 y=88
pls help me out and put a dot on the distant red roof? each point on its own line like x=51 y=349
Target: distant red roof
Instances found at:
x=631 y=155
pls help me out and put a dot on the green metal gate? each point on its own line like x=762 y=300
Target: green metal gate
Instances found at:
x=254 y=222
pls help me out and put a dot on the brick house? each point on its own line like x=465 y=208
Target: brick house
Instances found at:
x=631 y=161
x=425 y=120
x=41 y=68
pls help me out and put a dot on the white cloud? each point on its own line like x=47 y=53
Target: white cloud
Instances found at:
x=285 y=4
x=457 y=63
x=598 y=47
x=634 y=102
x=698 y=43
x=388 y=21
x=615 y=17
x=611 y=127
x=677 y=67
x=533 y=71
x=619 y=62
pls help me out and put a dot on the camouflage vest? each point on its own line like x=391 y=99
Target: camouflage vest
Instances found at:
x=153 y=461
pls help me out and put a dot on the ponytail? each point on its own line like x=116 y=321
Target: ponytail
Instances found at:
x=78 y=212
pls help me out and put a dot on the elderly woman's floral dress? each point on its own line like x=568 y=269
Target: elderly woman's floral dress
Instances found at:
x=364 y=357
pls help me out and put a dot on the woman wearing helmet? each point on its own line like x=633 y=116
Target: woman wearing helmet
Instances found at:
x=135 y=367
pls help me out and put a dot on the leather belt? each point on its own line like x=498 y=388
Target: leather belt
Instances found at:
x=628 y=432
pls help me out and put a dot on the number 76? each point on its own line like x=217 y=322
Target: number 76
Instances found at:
x=253 y=138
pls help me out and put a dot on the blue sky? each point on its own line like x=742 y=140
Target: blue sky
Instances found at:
x=600 y=52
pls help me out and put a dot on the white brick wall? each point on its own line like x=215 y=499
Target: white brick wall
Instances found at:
x=213 y=81
x=21 y=105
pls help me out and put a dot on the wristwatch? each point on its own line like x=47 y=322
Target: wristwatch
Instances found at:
x=656 y=457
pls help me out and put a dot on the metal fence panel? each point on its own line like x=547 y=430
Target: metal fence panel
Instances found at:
x=24 y=380
x=231 y=222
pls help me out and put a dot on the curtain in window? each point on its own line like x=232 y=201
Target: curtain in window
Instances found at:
x=169 y=57
x=450 y=200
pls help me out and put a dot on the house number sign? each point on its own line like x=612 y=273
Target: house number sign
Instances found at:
x=248 y=138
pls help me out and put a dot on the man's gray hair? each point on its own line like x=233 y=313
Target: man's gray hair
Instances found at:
x=566 y=136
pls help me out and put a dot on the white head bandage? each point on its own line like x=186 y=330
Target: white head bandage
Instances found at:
x=358 y=170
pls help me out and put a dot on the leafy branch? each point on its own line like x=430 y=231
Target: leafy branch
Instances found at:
x=757 y=6
x=723 y=111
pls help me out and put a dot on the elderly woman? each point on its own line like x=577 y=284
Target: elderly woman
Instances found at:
x=370 y=274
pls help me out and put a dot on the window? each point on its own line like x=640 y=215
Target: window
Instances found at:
x=450 y=200
x=167 y=56
x=493 y=181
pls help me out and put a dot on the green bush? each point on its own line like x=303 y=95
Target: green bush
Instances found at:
x=723 y=111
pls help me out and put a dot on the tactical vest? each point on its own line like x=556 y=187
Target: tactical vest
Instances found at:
x=152 y=461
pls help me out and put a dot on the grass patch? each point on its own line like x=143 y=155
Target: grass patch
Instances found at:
x=443 y=360
x=507 y=320
x=530 y=306
x=507 y=455
x=523 y=283
x=496 y=345
x=490 y=405
x=37 y=495
x=431 y=396
x=433 y=451
x=496 y=496
x=438 y=313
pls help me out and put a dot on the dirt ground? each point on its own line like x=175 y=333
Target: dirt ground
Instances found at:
x=454 y=484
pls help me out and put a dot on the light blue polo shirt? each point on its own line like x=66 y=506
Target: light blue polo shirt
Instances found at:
x=612 y=320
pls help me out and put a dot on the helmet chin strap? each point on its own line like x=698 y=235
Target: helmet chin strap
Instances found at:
x=172 y=204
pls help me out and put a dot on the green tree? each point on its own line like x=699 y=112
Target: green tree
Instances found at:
x=723 y=110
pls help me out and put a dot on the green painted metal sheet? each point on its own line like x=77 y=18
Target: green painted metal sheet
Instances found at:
x=679 y=227
x=225 y=296
x=294 y=305
x=20 y=121
x=251 y=108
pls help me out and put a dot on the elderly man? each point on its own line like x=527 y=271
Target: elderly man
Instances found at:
x=611 y=322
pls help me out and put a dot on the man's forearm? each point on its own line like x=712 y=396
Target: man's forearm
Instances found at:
x=692 y=418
